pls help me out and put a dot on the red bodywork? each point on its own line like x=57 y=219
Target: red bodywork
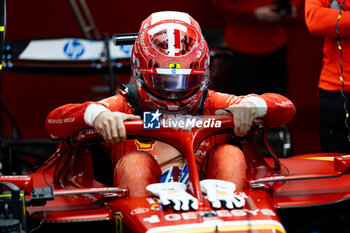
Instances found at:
x=301 y=181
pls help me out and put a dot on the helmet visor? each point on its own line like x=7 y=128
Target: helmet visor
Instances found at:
x=172 y=86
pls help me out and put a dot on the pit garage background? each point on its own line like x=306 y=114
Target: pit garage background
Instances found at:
x=30 y=96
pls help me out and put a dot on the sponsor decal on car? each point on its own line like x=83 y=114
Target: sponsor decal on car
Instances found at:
x=224 y=226
x=151 y=200
x=139 y=211
x=155 y=207
x=219 y=213
x=145 y=145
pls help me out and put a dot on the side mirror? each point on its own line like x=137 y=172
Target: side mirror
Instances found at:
x=125 y=39
x=342 y=164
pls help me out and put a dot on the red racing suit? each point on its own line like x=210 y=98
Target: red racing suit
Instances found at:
x=320 y=20
x=64 y=121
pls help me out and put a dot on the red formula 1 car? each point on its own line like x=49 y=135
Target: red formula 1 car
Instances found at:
x=305 y=193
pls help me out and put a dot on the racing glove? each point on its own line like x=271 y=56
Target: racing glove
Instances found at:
x=174 y=194
x=219 y=191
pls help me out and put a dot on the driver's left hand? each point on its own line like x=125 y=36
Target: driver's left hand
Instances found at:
x=243 y=114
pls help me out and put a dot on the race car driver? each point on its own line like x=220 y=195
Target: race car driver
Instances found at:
x=170 y=64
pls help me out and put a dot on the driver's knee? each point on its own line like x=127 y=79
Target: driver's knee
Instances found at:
x=226 y=162
x=135 y=171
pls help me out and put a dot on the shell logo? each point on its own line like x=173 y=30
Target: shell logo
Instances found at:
x=155 y=207
x=145 y=145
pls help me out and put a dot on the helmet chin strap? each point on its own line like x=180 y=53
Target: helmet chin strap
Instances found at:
x=204 y=87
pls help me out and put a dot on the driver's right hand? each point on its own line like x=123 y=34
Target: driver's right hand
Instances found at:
x=111 y=127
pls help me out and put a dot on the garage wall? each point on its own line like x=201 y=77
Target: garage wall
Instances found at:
x=31 y=97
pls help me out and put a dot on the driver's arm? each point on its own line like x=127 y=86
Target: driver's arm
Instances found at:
x=64 y=121
x=110 y=125
x=243 y=114
x=274 y=109
x=320 y=18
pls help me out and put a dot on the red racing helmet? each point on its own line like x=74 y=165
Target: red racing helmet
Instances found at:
x=170 y=60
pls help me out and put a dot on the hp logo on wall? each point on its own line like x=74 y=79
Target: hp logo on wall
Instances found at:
x=126 y=49
x=73 y=49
